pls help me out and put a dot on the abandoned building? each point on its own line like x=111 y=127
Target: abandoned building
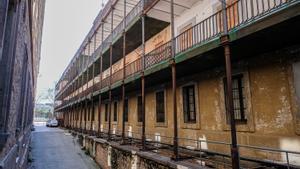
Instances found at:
x=187 y=83
x=21 y=23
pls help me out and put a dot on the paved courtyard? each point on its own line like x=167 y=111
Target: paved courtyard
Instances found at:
x=53 y=148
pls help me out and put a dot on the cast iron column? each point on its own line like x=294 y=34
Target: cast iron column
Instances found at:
x=110 y=82
x=100 y=84
x=93 y=109
x=123 y=86
x=173 y=66
x=225 y=42
x=80 y=118
x=143 y=83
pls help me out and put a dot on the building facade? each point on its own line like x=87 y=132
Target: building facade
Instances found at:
x=21 y=23
x=189 y=78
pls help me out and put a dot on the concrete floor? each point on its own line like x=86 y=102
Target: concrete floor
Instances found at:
x=53 y=148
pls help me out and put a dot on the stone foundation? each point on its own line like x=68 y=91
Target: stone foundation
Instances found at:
x=112 y=155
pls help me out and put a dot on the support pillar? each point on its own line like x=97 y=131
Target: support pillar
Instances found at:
x=230 y=111
x=110 y=77
x=143 y=86
x=93 y=109
x=80 y=118
x=174 y=85
x=100 y=84
x=123 y=85
x=85 y=114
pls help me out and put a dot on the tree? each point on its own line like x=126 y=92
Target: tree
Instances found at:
x=49 y=96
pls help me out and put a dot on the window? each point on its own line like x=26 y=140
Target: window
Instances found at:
x=189 y=108
x=88 y=113
x=93 y=113
x=106 y=112
x=126 y=110
x=160 y=107
x=115 y=111
x=139 y=109
x=239 y=99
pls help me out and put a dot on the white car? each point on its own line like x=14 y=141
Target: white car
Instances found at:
x=52 y=123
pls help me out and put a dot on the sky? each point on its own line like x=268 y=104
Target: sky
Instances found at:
x=66 y=24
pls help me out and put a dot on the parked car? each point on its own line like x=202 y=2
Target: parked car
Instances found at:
x=52 y=123
x=48 y=123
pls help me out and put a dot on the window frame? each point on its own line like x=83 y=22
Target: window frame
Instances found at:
x=241 y=94
x=126 y=110
x=115 y=113
x=106 y=112
x=185 y=120
x=164 y=107
x=139 y=109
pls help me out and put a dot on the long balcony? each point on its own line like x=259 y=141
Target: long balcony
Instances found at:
x=241 y=15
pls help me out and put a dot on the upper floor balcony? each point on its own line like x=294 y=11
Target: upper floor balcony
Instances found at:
x=196 y=24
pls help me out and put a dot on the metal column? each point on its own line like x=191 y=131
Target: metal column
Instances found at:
x=143 y=83
x=123 y=86
x=100 y=85
x=110 y=77
x=225 y=42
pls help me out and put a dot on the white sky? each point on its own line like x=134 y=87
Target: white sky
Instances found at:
x=66 y=23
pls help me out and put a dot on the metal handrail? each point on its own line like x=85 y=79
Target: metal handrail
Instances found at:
x=211 y=27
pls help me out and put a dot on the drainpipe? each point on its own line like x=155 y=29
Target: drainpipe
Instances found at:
x=226 y=45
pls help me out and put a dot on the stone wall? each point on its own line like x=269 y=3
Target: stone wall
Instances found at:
x=112 y=155
x=20 y=42
x=272 y=109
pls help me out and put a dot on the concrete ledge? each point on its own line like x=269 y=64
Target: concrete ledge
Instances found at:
x=114 y=155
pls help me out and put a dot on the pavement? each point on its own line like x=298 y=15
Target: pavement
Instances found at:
x=54 y=148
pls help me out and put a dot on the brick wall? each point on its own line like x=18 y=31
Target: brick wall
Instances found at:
x=19 y=60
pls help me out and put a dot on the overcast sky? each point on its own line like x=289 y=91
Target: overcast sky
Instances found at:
x=66 y=24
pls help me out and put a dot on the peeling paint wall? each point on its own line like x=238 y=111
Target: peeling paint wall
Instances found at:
x=270 y=116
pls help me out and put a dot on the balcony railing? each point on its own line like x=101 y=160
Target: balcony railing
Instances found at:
x=105 y=82
x=157 y=55
x=136 y=11
x=117 y=76
x=118 y=30
x=201 y=32
x=244 y=11
x=239 y=13
x=133 y=67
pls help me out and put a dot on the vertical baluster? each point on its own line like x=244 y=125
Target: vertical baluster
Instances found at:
x=246 y=7
x=206 y=30
x=203 y=30
x=209 y=26
x=219 y=26
x=268 y=5
x=287 y=160
x=238 y=13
